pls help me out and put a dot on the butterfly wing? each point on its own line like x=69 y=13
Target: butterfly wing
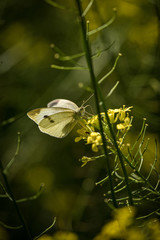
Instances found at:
x=37 y=115
x=58 y=125
x=63 y=103
x=58 y=119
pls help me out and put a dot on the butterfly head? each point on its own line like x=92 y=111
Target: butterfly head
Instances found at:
x=80 y=112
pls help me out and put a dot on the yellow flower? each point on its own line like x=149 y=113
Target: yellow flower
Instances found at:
x=93 y=122
x=83 y=134
x=113 y=116
x=124 y=216
x=154 y=227
x=125 y=125
x=65 y=236
x=111 y=229
x=135 y=234
x=95 y=139
x=86 y=159
x=46 y=237
x=89 y=140
x=119 y=227
x=94 y=147
x=77 y=139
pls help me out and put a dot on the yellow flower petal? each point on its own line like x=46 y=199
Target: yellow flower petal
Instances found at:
x=77 y=139
x=89 y=140
x=94 y=147
x=120 y=126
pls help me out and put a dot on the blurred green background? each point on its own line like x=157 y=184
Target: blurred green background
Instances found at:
x=28 y=31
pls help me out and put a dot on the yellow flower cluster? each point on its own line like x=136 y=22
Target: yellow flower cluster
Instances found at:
x=122 y=115
x=90 y=131
x=122 y=227
x=60 y=235
x=93 y=138
x=89 y=134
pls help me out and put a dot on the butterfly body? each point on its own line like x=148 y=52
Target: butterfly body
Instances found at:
x=58 y=119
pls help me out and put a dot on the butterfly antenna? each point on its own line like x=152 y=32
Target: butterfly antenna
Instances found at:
x=84 y=102
x=90 y=108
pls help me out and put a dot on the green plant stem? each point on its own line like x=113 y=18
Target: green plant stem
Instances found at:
x=47 y=229
x=27 y=232
x=119 y=153
x=112 y=69
x=141 y=176
x=121 y=160
x=96 y=92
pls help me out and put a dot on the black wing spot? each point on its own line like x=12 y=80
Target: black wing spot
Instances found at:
x=49 y=118
x=51 y=121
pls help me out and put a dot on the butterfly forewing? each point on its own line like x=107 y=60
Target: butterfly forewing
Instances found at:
x=37 y=115
x=59 y=124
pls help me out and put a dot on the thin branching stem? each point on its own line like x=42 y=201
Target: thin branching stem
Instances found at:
x=107 y=24
x=112 y=89
x=67 y=68
x=35 y=196
x=88 y=7
x=9 y=190
x=56 y=5
x=47 y=229
x=146 y=216
x=119 y=153
x=15 y=155
x=155 y=161
x=96 y=92
x=10 y=227
x=112 y=69
x=141 y=176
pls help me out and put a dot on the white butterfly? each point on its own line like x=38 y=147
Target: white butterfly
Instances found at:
x=58 y=119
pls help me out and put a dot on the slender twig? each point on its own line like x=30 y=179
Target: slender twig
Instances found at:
x=155 y=161
x=96 y=92
x=120 y=156
x=112 y=89
x=141 y=176
x=31 y=198
x=112 y=69
x=88 y=7
x=104 y=25
x=54 y=4
x=9 y=190
x=154 y=212
x=15 y=155
x=10 y=227
x=140 y=149
x=67 y=68
x=47 y=229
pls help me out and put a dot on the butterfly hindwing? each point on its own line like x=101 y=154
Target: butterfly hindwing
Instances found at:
x=63 y=103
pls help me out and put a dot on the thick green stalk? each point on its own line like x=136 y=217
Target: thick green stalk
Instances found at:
x=8 y=188
x=96 y=92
